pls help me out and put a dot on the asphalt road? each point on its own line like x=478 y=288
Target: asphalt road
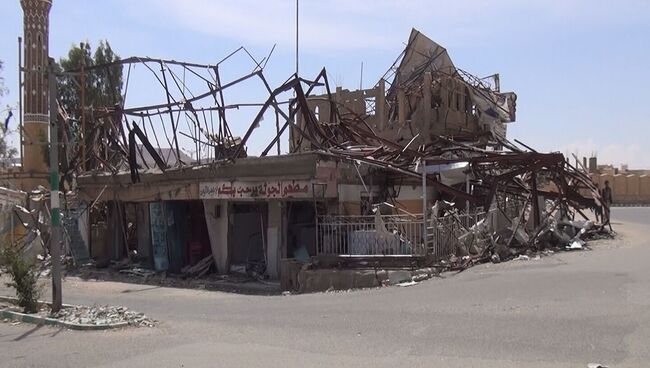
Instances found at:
x=637 y=215
x=566 y=310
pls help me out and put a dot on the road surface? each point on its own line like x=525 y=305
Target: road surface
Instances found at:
x=566 y=310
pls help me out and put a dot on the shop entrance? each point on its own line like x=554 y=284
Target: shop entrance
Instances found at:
x=247 y=241
x=301 y=230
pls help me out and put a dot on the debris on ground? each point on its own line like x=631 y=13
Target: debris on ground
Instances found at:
x=407 y=283
x=200 y=269
x=138 y=271
x=97 y=315
x=103 y=315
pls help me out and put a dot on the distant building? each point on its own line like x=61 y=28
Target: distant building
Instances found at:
x=628 y=186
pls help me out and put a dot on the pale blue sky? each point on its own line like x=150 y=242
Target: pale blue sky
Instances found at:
x=579 y=67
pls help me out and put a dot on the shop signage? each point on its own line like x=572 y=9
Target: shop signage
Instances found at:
x=257 y=189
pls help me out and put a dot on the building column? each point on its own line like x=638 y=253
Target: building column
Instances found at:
x=273 y=238
x=380 y=105
x=216 y=218
x=401 y=106
x=426 y=108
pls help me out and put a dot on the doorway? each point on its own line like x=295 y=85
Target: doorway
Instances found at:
x=247 y=227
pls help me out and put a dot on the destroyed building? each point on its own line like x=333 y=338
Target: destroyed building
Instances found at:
x=426 y=97
x=407 y=174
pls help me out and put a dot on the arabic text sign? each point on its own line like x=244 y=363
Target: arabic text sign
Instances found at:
x=261 y=189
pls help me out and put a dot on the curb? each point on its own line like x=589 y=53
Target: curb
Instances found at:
x=14 y=300
x=39 y=320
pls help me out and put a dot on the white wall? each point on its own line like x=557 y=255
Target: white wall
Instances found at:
x=83 y=223
x=218 y=232
x=273 y=239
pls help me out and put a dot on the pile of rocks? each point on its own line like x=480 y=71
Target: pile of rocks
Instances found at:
x=103 y=315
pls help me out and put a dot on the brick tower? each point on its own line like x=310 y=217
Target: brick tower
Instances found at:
x=36 y=15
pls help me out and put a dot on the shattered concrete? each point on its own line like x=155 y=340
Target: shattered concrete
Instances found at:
x=103 y=315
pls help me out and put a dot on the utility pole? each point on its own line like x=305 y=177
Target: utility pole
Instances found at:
x=83 y=109
x=55 y=216
x=297 y=33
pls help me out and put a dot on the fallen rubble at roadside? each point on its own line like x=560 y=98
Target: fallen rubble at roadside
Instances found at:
x=78 y=317
x=485 y=243
x=103 y=315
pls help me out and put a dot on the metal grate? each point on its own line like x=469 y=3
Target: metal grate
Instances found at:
x=394 y=234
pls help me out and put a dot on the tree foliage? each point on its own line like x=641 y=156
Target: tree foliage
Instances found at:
x=24 y=278
x=103 y=86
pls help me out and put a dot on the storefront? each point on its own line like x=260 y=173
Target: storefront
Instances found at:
x=248 y=215
x=255 y=224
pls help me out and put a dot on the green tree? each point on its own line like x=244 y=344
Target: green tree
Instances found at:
x=103 y=86
x=24 y=277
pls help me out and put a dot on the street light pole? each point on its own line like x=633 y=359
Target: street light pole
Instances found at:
x=55 y=215
x=297 y=33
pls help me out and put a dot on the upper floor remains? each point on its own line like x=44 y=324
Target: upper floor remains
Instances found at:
x=421 y=97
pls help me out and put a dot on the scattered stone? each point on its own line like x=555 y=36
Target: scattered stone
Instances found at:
x=576 y=244
x=420 y=277
x=399 y=276
x=407 y=284
x=103 y=315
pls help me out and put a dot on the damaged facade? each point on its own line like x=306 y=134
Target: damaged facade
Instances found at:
x=414 y=172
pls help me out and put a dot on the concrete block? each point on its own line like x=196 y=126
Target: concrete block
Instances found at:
x=397 y=276
x=311 y=281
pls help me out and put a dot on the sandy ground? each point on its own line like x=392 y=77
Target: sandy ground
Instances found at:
x=566 y=310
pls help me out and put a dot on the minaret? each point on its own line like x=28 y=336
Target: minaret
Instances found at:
x=36 y=14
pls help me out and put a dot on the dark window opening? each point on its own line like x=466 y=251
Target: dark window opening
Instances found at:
x=301 y=229
x=370 y=105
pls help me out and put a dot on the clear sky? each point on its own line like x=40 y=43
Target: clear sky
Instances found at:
x=581 y=68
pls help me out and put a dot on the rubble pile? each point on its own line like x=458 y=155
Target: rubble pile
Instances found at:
x=103 y=315
x=496 y=238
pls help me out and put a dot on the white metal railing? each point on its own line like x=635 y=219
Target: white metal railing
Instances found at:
x=370 y=235
x=393 y=234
